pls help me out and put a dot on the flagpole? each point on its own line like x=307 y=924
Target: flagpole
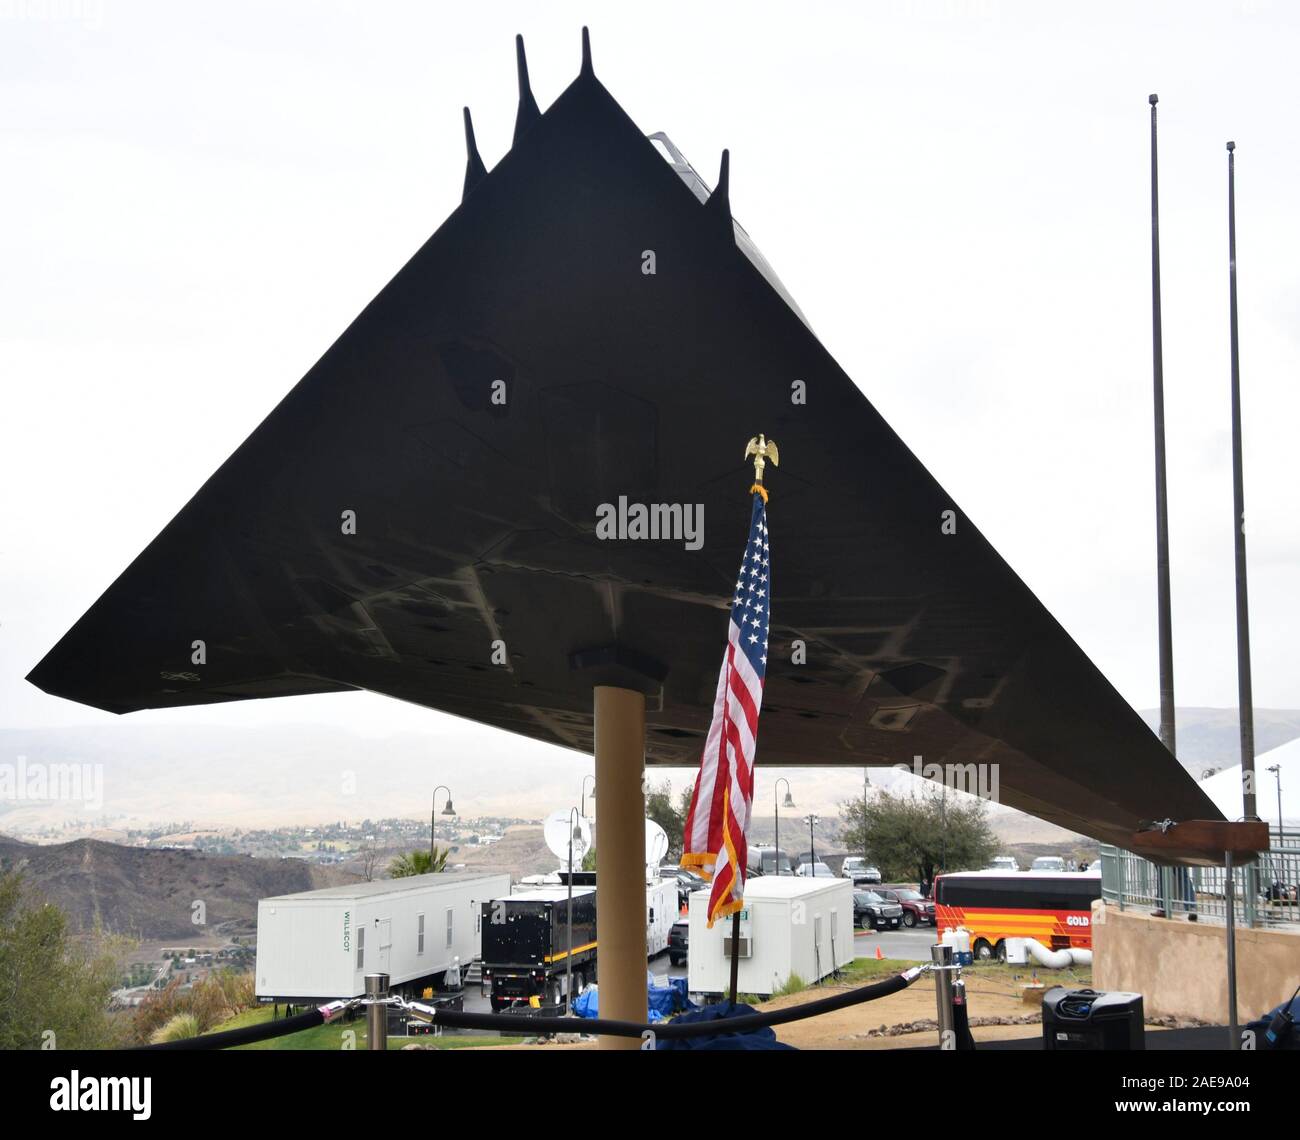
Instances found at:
x=1246 y=714
x=1163 y=607
x=735 y=956
x=717 y=840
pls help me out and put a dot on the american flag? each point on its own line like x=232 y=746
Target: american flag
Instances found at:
x=724 y=791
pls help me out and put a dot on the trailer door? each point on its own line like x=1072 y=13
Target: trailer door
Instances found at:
x=385 y=945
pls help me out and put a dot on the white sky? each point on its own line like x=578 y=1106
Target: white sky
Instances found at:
x=198 y=199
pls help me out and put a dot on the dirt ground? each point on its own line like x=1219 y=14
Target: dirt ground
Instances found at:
x=849 y=1028
x=988 y=996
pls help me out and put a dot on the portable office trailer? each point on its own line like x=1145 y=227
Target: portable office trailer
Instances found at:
x=790 y=925
x=320 y=945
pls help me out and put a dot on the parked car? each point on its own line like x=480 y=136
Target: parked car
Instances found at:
x=872 y=911
x=1004 y=863
x=679 y=941
x=859 y=870
x=1048 y=863
x=815 y=871
x=917 y=910
x=768 y=861
x=687 y=881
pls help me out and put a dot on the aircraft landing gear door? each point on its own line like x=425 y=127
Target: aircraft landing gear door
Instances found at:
x=385 y=945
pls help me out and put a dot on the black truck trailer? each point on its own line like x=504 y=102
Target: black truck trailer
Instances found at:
x=526 y=946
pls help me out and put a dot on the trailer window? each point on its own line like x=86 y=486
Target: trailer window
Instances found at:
x=361 y=947
x=419 y=934
x=451 y=922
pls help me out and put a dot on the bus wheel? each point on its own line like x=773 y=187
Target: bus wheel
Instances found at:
x=983 y=951
x=1000 y=950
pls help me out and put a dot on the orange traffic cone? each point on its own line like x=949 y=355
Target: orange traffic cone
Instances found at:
x=880 y=955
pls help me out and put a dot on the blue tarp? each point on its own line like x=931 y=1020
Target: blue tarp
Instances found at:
x=751 y=1040
x=662 y=1000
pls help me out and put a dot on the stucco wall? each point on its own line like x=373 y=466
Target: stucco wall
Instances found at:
x=1180 y=967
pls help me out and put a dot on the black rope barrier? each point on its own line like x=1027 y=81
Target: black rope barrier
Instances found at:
x=513 y=1024
x=669 y=1030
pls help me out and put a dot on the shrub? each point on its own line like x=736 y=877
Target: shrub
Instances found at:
x=178 y=1028
x=792 y=985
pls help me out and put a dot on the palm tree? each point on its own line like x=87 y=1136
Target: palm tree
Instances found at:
x=418 y=862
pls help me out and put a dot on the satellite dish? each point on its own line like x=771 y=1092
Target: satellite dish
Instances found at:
x=656 y=843
x=557 y=830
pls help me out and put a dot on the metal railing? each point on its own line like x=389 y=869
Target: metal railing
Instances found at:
x=1265 y=892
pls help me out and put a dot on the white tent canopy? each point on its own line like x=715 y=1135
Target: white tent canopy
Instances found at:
x=1224 y=788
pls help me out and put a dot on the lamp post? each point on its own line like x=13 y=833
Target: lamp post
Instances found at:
x=575 y=832
x=812 y=821
x=433 y=820
x=583 y=796
x=866 y=783
x=776 y=817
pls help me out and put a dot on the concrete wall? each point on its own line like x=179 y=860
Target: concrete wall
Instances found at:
x=1180 y=967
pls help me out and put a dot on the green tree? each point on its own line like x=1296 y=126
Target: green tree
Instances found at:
x=52 y=982
x=671 y=817
x=914 y=836
x=418 y=862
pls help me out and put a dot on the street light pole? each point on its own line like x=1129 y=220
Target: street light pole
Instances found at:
x=433 y=821
x=813 y=820
x=866 y=783
x=574 y=818
x=776 y=818
x=582 y=799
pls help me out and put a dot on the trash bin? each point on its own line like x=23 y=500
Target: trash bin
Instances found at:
x=1090 y=1020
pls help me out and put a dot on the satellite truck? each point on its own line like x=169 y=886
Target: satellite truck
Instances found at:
x=526 y=947
x=525 y=935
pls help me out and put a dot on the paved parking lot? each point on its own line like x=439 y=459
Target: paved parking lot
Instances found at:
x=910 y=945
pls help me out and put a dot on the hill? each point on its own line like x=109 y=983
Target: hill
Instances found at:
x=150 y=894
x=1210 y=738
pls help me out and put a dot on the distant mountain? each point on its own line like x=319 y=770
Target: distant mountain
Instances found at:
x=1211 y=738
x=221 y=776
x=150 y=894
x=237 y=776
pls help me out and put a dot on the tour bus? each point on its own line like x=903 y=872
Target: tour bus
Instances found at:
x=1053 y=907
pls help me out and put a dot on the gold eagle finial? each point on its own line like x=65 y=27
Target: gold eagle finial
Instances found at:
x=762 y=449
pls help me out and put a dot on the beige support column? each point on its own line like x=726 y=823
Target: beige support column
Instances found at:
x=620 y=858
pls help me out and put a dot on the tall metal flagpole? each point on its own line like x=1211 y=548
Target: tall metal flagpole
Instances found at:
x=1162 y=502
x=1246 y=712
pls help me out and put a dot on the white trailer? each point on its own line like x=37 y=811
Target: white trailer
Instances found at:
x=790 y=925
x=660 y=914
x=320 y=945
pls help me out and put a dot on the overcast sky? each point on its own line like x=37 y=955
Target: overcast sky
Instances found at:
x=199 y=198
